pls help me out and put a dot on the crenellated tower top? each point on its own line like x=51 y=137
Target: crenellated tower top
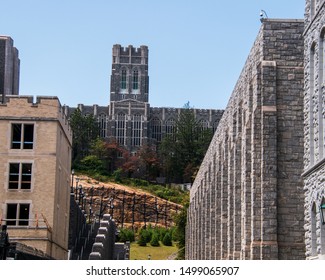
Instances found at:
x=129 y=79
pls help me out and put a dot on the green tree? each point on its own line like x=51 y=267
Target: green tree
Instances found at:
x=167 y=240
x=85 y=129
x=182 y=154
x=180 y=221
x=155 y=240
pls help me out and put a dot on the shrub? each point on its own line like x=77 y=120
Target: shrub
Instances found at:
x=167 y=241
x=126 y=235
x=155 y=240
x=142 y=241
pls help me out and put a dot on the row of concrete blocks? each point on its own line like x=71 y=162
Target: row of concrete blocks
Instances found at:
x=103 y=248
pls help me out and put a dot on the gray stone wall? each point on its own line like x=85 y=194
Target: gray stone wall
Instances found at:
x=247 y=199
x=314 y=114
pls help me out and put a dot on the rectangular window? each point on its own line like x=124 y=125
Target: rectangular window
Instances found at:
x=17 y=214
x=135 y=85
x=22 y=136
x=20 y=176
x=123 y=79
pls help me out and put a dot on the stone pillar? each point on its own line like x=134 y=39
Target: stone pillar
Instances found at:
x=256 y=173
x=224 y=200
x=269 y=245
x=237 y=233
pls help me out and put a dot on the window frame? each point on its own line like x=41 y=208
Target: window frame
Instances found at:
x=20 y=181
x=19 y=142
x=18 y=220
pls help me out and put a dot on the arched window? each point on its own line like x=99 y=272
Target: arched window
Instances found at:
x=313 y=231
x=156 y=129
x=215 y=125
x=136 y=130
x=135 y=80
x=311 y=103
x=322 y=231
x=170 y=128
x=120 y=129
x=204 y=124
x=321 y=92
x=123 y=79
x=102 y=121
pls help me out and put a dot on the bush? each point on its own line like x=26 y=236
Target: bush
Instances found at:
x=142 y=241
x=145 y=236
x=167 y=241
x=155 y=240
x=126 y=235
x=117 y=175
x=92 y=163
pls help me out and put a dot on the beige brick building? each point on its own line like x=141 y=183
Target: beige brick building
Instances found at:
x=35 y=159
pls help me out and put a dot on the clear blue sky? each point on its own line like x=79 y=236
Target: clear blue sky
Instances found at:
x=197 y=48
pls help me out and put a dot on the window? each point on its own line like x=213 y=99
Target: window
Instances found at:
x=311 y=105
x=20 y=176
x=22 y=136
x=170 y=128
x=102 y=125
x=136 y=130
x=204 y=125
x=135 y=80
x=313 y=231
x=322 y=232
x=156 y=129
x=120 y=129
x=17 y=214
x=123 y=79
x=215 y=125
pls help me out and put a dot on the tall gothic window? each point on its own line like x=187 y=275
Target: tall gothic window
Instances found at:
x=322 y=233
x=102 y=125
x=321 y=92
x=215 y=126
x=170 y=128
x=136 y=130
x=135 y=79
x=123 y=80
x=204 y=124
x=311 y=103
x=120 y=129
x=156 y=129
x=313 y=231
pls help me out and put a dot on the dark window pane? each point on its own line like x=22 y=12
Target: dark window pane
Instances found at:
x=23 y=214
x=26 y=176
x=135 y=80
x=28 y=136
x=16 y=136
x=11 y=214
x=14 y=176
x=123 y=79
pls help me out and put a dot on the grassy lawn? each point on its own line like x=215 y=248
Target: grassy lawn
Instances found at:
x=157 y=253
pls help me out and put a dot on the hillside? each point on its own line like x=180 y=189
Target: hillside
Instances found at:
x=129 y=206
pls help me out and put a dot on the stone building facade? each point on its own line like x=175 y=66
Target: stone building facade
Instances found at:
x=129 y=118
x=314 y=115
x=35 y=167
x=247 y=201
x=9 y=68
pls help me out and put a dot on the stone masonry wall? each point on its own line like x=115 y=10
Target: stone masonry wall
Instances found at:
x=314 y=112
x=247 y=199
